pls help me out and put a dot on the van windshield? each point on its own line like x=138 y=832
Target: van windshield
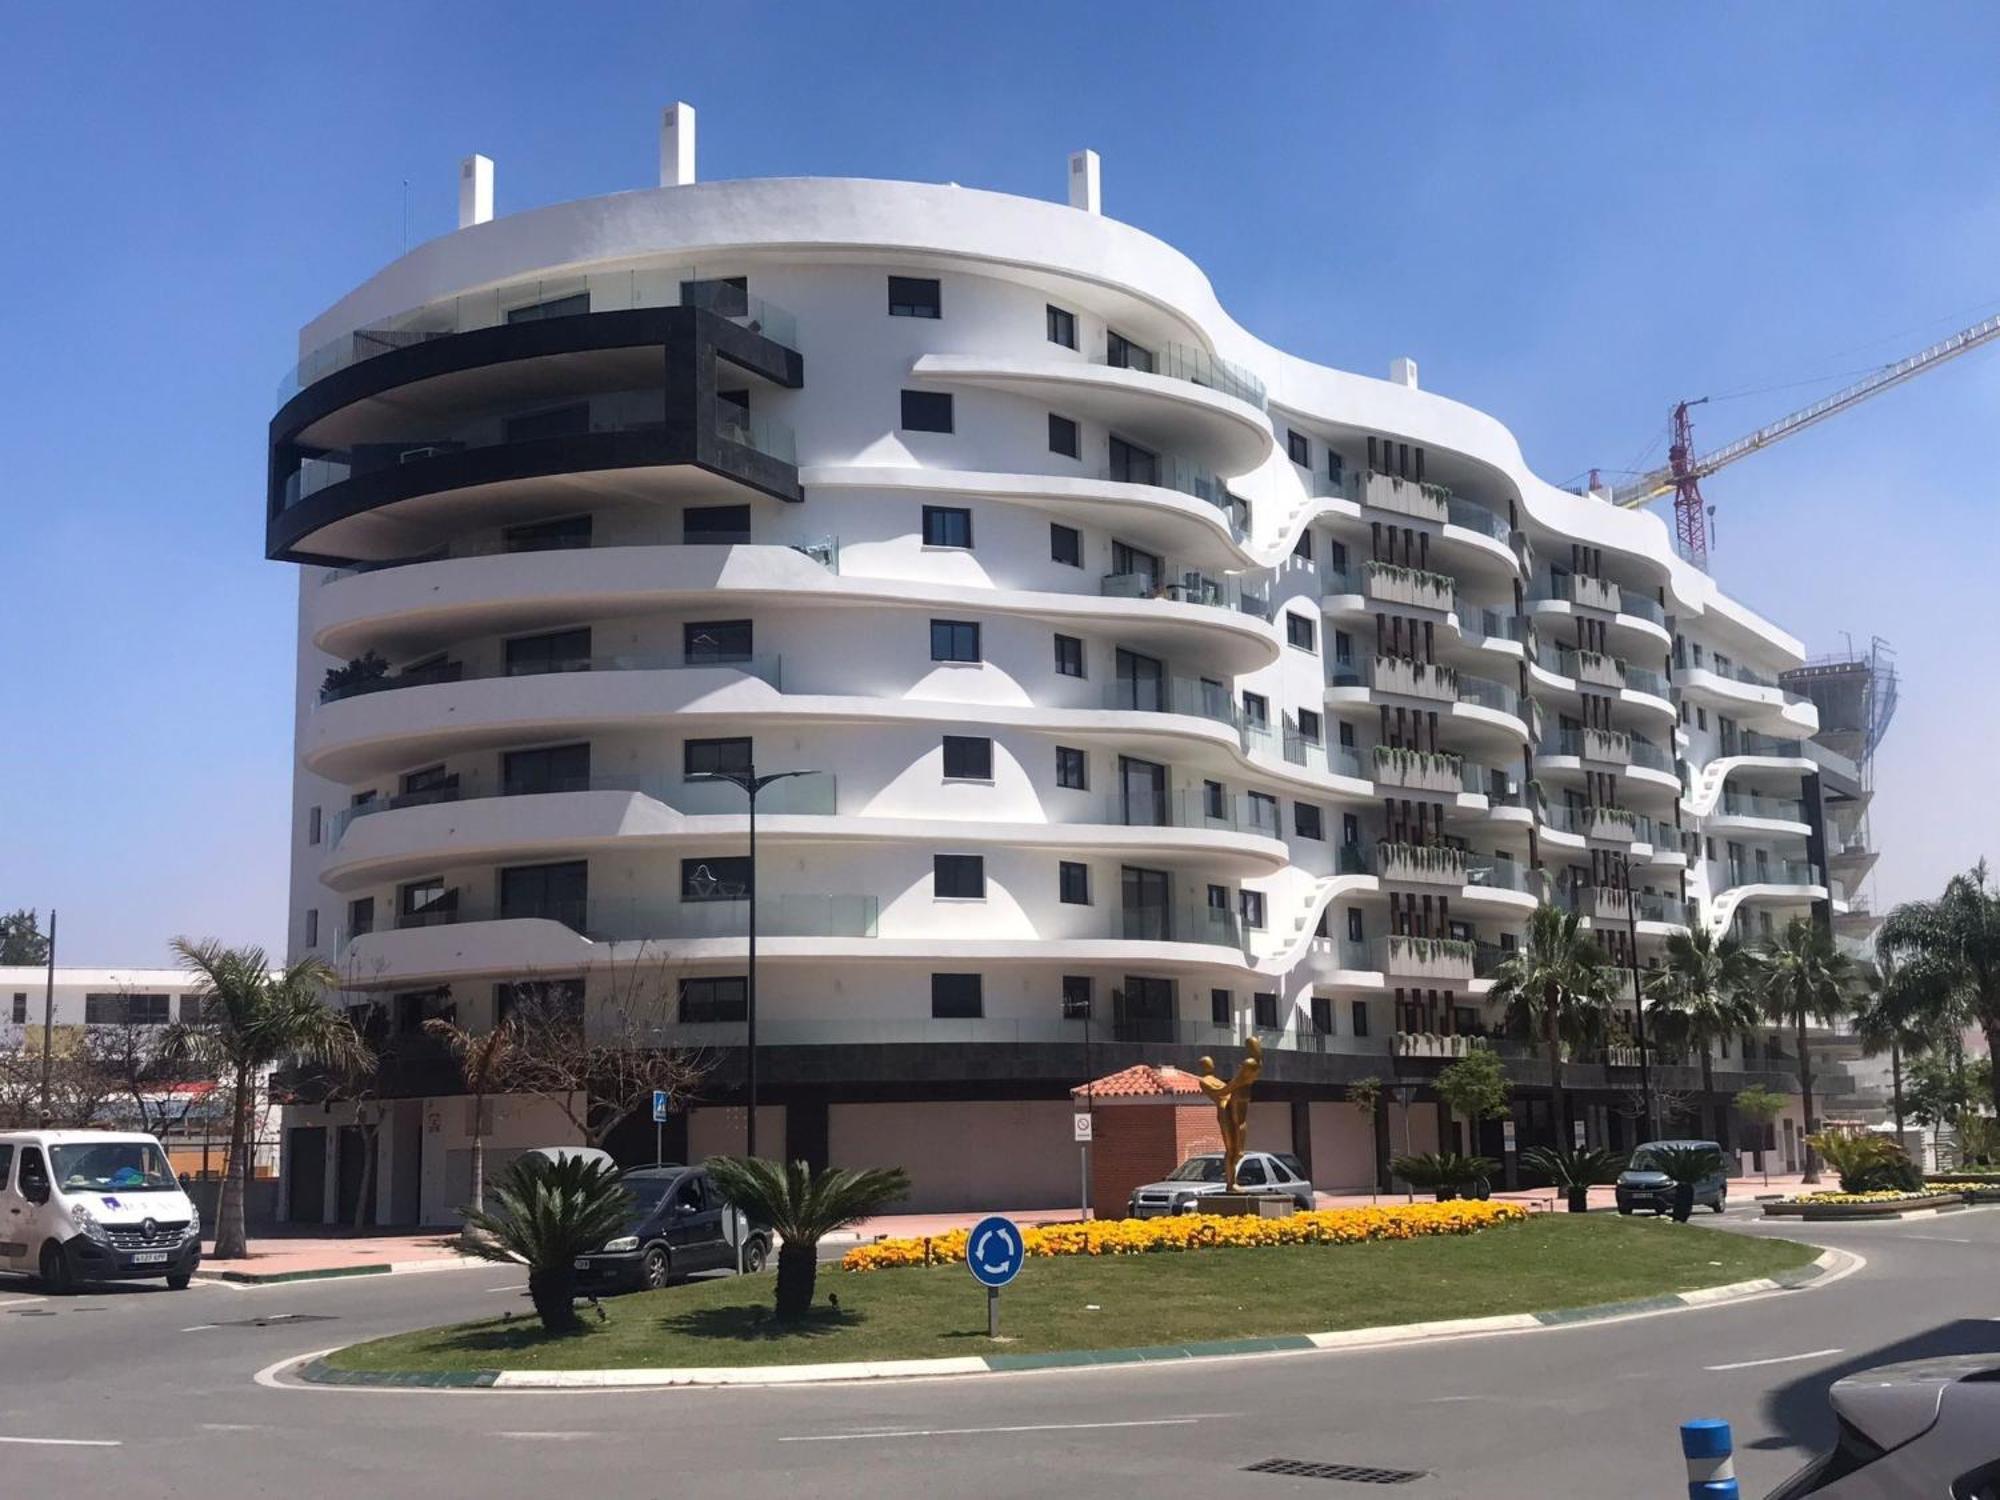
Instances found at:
x=113 y=1167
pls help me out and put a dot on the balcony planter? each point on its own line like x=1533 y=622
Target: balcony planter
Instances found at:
x=1609 y=745
x=1612 y=823
x=1430 y=957
x=1404 y=497
x=1412 y=586
x=1420 y=770
x=1596 y=593
x=1415 y=679
x=1431 y=864
x=1605 y=671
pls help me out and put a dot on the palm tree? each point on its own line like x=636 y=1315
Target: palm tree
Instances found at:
x=1892 y=1015
x=483 y=1058
x=1947 y=953
x=546 y=1214
x=803 y=1206
x=1703 y=995
x=1557 y=986
x=252 y=1019
x=1802 y=977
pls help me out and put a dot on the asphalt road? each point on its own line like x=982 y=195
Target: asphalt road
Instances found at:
x=147 y=1392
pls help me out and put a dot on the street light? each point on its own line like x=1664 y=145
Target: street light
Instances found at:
x=752 y=784
x=1638 y=994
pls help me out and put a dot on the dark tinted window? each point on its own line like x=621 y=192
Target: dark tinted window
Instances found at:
x=947 y=526
x=554 y=768
x=558 y=651
x=715 y=525
x=1073 y=883
x=1298 y=447
x=1264 y=1007
x=1307 y=821
x=1062 y=326
x=548 y=536
x=1072 y=768
x=954 y=640
x=1299 y=632
x=716 y=640
x=1063 y=437
x=1069 y=656
x=725 y=997
x=706 y=757
x=1065 y=544
x=914 y=297
x=558 y=892
x=956 y=997
x=720 y=877
x=968 y=757
x=958 y=877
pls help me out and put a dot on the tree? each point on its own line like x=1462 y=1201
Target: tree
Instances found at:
x=1761 y=1106
x=1475 y=1088
x=250 y=1020
x=1556 y=986
x=21 y=939
x=600 y=1064
x=545 y=1214
x=1364 y=1095
x=1939 y=1091
x=1889 y=1017
x=1702 y=996
x=1948 y=955
x=483 y=1061
x=1801 y=978
x=803 y=1207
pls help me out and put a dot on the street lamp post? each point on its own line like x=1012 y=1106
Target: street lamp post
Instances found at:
x=752 y=784
x=1638 y=996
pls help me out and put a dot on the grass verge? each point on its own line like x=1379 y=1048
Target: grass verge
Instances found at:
x=1552 y=1261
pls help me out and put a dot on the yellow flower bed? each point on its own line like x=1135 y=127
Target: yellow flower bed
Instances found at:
x=1885 y=1195
x=1327 y=1226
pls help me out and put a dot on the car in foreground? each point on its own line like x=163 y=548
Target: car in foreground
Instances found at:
x=679 y=1225
x=94 y=1205
x=1926 y=1427
x=1269 y=1173
x=1643 y=1185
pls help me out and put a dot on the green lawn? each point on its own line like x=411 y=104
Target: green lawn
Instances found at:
x=1551 y=1261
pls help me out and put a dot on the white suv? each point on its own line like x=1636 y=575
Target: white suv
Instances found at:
x=1200 y=1177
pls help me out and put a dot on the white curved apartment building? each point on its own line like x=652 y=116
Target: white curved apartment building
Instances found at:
x=1164 y=687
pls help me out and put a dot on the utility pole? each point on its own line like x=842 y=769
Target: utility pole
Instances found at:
x=48 y=1020
x=1638 y=997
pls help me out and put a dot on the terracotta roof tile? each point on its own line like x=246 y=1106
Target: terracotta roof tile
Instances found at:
x=1142 y=1082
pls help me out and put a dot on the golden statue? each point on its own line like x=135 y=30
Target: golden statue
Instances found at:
x=1232 y=1104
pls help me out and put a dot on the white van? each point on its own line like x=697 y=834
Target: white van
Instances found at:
x=93 y=1205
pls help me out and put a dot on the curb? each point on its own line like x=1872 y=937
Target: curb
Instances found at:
x=314 y=1370
x=335 y=1273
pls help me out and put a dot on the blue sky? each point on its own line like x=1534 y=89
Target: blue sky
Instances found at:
x=1569 y=215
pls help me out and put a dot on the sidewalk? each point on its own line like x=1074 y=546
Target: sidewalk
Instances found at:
x=310 y=1252
x=916 y=1226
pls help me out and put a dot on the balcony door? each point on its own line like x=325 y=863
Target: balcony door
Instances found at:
x=1144 y=1010
x=1148 y=903
x=1128 y=561
x=1142 y=789
x=555 y=893
x=552 y=768
x=1142 y=682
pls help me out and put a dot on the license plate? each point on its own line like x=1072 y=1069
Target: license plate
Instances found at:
x=150 y=1258
x=583 y=1265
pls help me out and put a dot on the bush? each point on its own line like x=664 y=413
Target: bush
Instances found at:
x=1868 y=1163
x=1444 y=1172
x=545 y=1214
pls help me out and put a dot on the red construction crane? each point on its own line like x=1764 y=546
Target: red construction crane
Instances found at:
x=1683 y=472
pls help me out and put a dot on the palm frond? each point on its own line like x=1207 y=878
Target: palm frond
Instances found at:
x=804 y=1206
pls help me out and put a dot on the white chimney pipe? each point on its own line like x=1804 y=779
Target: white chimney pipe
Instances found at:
x=475 y=191
x=1403 y=372
x=1085 y=188
x=677 y=145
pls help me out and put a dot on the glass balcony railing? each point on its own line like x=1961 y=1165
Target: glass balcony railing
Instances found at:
x=767 y=435
x=823 y=550
x=1645 y=680
x=766 y=668
x=1751 y=805
x=1482 y=624
x=1476 y=518
x=1196 y=366
x=1501 y=788
x=1185 y=585
x=1193 y=807
x=1632 y=603
x=1500 y=875
x=1771 y=872
x=1201 y=698
x=1487 y=693
x=1169 y=471
x=533 y=300
x=1653 y=757
x=621 y=919
x=1182 y=922
x=1295 y=749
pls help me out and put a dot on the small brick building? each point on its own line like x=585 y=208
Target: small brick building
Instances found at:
x=1148 y=1121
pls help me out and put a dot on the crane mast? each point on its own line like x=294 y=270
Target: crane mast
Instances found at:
x=1683 y=472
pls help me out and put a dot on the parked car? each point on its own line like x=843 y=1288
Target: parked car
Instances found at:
x=1643 y=1185
x=679 y=1225
x=94 y=1205
x=1200 y=1177
x=1921 y=1428
x=555 y=1155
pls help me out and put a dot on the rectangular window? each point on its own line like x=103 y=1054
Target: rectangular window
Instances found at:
x=1122 y=354
x=1264 y=1009
x=968 y=757
x=312 y=825
x=360 y=916
x=1322 y=1015
x=956 y=997
x=1299 y=632
x=1333 y=466
x=553 y=768
x=574 y=305
x=1065 y=544
x=927 y=411
x=1354 y=927
x=1062 y=326
x=190 y=1010
x=1309 y=726
x=1132 y=464
x=715 y=525
x=312 y=927
x=558 y=651
x=556 y=893
x=1076 y=997
x=1072 y=768
x=707 y=757
x=426 y=903
x=723 y=997
x=720 y=877
x=20 y=1008
x=1298 y=447
x=1221 y=1007
x=958 y=877
x=1252 y=907
x=569 y=420
x=1257 y=710
x=1303 y=547
x=1307 y=821
x=914 y=297
x=1064 y=437
x=1358 y=1013
x=1214 y=801
x=947 y=526
x=547 y=536
x=1073 y=883
x=1701 y=718
x=1346 y=735
x=954 y=640
x=1069 y=656
x=716 y=641
x=1264 y=813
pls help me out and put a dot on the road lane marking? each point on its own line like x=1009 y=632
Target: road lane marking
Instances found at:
x=920 y=1432
x=1782 y=1359
x=201 y=1328
x=64 y=1442
x=547 y=1437
x=1939 y=1239
x=520 y=1288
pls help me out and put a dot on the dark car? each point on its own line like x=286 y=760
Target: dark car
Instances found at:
x=679 y=1225
x=1643 y=1185
x=1922 y=1428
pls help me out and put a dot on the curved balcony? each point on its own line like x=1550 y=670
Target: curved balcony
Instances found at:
x=1749 y=698
x=1641 y=622
x=1567 y=670
x=1751 y=812
x=425 y=606
x=1218 y=428
x=1592 y=749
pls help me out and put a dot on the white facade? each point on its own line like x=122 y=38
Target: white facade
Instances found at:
x=1333 y=669
x=93 y=996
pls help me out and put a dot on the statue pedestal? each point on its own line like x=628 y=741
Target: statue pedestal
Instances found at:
x=1261 y=1205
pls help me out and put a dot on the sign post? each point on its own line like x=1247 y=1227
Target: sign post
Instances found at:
x=659 y=1127
x=994 y=1251
x=1507 y=1150
x=1084 y=1122
x=1576 y=1132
